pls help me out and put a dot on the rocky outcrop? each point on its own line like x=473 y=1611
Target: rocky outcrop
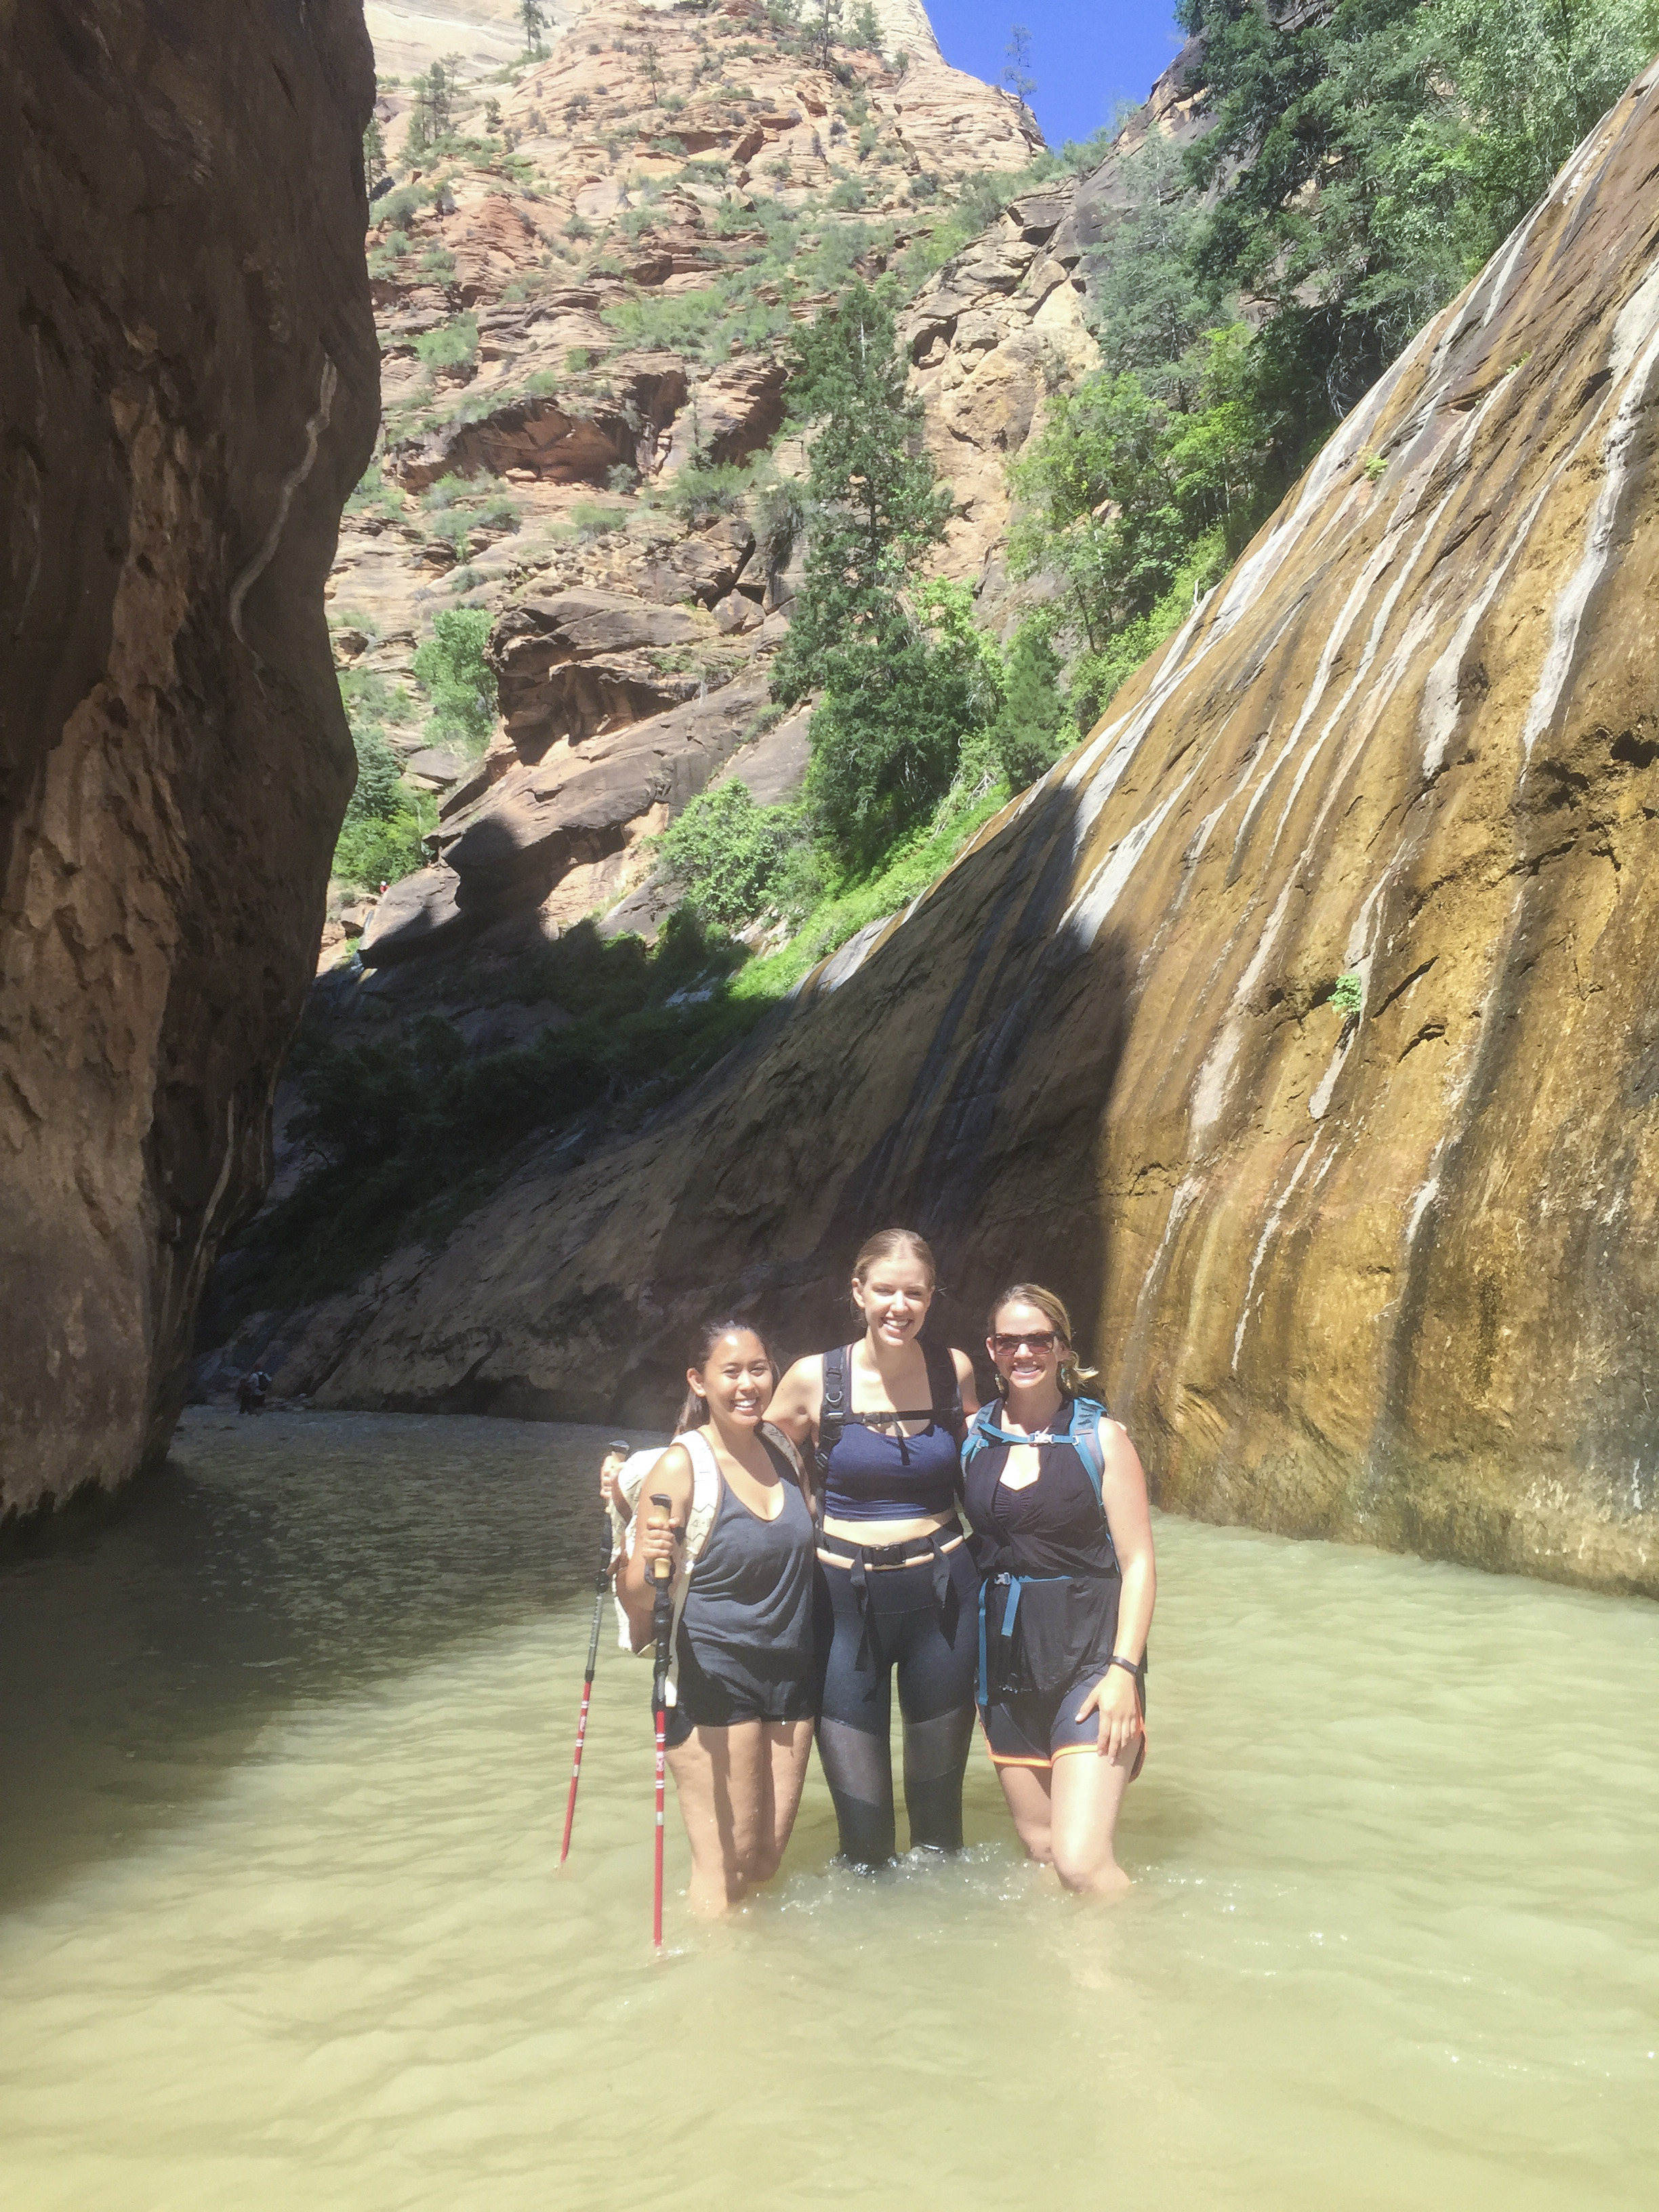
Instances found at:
x=613 y=283
x=1375 y=1262
x=188 y=392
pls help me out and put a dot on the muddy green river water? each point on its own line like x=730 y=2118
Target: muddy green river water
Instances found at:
x=285 y=1749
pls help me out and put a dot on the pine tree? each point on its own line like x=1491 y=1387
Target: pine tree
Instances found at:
x=888 y=730
x=1017 y=77
x=533 y=16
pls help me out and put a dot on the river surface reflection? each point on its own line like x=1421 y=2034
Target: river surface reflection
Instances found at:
x=286 y=1744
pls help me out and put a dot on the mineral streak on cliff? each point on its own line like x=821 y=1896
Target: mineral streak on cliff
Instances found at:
x=1385 y=1274
x=188 y=389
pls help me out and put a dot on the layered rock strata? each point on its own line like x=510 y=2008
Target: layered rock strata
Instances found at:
x=188 y=391
x=1297 y=1027
x=637 y=167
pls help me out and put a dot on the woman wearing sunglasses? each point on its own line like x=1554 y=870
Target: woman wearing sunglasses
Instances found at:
x=1063 y=1535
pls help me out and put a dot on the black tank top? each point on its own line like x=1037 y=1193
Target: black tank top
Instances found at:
x=1054 y=1526
x=748 y=1614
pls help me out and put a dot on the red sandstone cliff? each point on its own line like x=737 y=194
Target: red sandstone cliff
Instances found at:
x=1386 y=1273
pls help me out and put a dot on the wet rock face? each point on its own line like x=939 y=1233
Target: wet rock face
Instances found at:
x=187 y=391
x=1374 y=1262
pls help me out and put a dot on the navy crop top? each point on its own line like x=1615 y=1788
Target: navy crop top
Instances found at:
x=871 y=1477
x=869 y=1474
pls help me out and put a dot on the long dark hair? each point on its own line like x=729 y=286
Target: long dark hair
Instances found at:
x=694 y=1412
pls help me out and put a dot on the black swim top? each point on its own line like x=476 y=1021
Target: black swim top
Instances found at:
x=1054 y=1526
x=872 y=1475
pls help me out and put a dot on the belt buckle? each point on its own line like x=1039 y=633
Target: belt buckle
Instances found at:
x=887 y=1555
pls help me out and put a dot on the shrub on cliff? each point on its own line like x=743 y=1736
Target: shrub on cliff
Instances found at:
x=737 y=860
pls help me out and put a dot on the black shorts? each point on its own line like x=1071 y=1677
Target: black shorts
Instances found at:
x=1034 y=1729
x=704 y=1701
x=1067 y=1627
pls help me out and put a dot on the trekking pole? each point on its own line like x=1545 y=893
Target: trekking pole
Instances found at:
x=618 y=1448
x=662 y=1623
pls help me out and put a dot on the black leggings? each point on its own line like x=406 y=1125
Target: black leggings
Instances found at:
x=897 y=1623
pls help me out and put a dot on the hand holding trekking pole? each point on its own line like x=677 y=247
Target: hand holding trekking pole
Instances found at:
x=657 y=1538
x=613 y=1460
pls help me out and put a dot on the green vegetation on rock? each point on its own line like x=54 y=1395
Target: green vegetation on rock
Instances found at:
x=457 y=679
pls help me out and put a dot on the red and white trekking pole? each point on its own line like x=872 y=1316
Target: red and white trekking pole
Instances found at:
x=618 y=1452
x=662 y=1623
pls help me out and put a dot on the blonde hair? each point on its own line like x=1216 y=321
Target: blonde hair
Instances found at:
x=1073 y=1373
x=889 y=1245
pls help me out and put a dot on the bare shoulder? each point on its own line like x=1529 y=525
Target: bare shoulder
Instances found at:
x=803 y=1383
x=965 y=1365
x=673 y=1469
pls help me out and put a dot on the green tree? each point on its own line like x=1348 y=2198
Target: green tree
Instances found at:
x=1033 y=729
x=1017 y=77
x=874 y=508
x=457 y=678
x=533 y=16
x=733 y=857
x=888 y=729
x=381 y=838
x=374 y=153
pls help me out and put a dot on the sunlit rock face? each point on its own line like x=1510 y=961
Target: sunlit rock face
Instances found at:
x=188 y=388
x=1387 y=1274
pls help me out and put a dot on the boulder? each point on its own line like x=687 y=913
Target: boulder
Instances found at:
x=578 y=439
x=577 y=805
x=568 y=665
x=420 y=914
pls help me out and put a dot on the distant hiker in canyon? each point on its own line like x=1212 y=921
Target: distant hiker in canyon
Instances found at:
x=1063 y=1536
x=886 y=1416
x=727 y=1507
x=252 y=1391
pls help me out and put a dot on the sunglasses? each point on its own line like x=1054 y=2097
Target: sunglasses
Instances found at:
x=1040 y=1340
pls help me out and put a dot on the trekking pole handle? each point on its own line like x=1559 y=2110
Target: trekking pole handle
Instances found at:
x=662 y=1570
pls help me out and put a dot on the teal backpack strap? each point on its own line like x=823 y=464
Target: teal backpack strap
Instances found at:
x=982 y=1430
x=1087 y=1414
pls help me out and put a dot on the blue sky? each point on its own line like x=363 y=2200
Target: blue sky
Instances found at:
x=1085 y=54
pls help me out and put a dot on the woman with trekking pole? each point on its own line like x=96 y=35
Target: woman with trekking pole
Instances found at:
x=726 y=1511
x=898 y=1591
x=1064 y=1536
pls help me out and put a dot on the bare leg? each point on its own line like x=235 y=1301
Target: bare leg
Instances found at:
x=722 y=1777
x=1086 y=1793
x=788 y=1745
x=1026 y=1789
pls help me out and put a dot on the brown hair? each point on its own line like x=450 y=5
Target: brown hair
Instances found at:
x=694 y=1412
x=888 y=1244
x=1073 y=1373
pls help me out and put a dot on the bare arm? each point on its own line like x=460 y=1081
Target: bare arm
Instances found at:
x=1116 y=1696
x=969 y=1388
x=654 y=1538
x=798 y=1401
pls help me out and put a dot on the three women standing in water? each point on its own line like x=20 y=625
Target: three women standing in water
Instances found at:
x=803 y=1595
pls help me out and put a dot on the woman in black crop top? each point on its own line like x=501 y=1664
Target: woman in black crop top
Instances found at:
x=898 y=1590
x=1067 y=1597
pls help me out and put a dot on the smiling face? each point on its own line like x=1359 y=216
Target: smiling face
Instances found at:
x=1024 y=1344
x=736 y=1378
x=893 y=1297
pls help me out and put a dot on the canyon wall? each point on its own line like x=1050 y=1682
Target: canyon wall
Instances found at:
x=188 y=389
x=1298 y=1027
